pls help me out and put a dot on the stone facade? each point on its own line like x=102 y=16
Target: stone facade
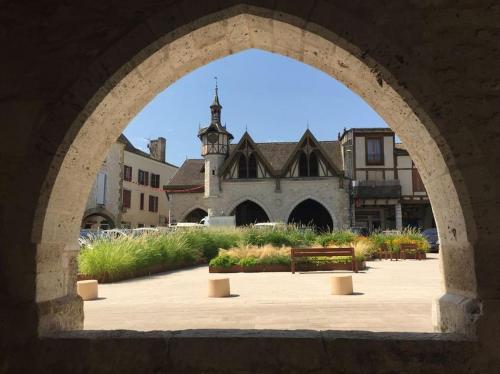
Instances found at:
x=120 y=204
x=74 y=75
x=275 y=177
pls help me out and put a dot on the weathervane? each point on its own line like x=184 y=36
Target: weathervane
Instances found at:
x=216 y=87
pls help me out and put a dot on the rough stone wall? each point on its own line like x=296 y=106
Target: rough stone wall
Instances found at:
x=73 y=75
x=277 y=204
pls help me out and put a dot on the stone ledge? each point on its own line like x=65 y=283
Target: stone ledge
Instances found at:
x=250 y=351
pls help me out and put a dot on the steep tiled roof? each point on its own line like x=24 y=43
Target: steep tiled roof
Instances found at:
x=333 y=149
x=189 y=174
x=278 y=153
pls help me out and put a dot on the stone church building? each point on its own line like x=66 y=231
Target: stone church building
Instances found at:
x=304 y=182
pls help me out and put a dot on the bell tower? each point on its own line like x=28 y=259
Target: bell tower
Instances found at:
x=215 y=141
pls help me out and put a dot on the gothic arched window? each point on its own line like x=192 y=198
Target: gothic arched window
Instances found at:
x=252 y=166
x=313 y=165
x=302 y=165
x=242 y=167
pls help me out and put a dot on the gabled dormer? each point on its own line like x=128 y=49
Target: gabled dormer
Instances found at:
x=309 y=159
x=246 y=161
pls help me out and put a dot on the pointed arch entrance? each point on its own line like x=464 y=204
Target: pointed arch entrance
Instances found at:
x=311 y=213
x=196 y=215
x=248 y=213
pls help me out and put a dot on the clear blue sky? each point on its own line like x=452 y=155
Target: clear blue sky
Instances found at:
x=275 y=97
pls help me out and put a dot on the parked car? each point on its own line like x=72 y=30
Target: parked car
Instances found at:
x=432 y=237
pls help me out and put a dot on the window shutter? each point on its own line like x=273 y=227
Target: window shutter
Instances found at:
x=101 y=189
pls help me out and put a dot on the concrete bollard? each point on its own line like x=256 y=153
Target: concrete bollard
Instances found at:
x=218 y=287
x=87 y=289
x=341 y=285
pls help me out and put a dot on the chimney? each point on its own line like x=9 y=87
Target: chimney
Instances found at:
x=157 y=148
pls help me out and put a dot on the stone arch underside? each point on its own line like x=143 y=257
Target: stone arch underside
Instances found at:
x=311 y=213
x=104 y=213
x=249 y=212
x=150 y=68
x=195 y=215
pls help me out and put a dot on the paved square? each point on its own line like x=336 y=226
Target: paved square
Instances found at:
x=389 y=296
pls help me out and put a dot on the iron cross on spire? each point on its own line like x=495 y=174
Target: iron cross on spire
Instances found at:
x=216 y=87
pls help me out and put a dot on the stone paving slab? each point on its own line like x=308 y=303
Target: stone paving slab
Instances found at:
x=389 y=296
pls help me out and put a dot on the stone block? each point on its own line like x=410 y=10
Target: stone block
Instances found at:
x=341 y=285
x=218 y=287
x=87 y=289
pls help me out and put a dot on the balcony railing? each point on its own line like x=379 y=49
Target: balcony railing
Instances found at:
x=385 y=189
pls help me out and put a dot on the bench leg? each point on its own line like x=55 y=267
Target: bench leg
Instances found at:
x=292 y=263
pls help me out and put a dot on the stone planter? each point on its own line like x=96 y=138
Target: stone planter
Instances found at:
x=284 y=268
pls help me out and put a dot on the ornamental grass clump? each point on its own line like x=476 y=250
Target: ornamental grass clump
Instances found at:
x=209 y=241
x=336 y=238
x=111 y=259
x=285 y=235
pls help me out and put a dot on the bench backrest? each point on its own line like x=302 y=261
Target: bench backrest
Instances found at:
x=327 y=252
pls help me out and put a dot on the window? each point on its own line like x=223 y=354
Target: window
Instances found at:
x=242 y=167
x=374 y=151
x=126 y=198
x=153 y=203
x=140 y=225
x=141 y=201
x=127 y=173
x=302 y=165
x=155 y=180
x=418 y=185
x=313 y=165
x=143 y=177
x=252 y=166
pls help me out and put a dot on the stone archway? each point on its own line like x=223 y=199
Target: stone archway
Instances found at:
x=195 y=215
x=432 y=76
x=248 y=213
x=311 y=213
x=100 y=212
x=171 y=57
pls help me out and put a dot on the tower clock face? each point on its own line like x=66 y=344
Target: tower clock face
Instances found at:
x=212 y=138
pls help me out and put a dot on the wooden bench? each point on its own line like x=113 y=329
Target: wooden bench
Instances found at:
x=323 y=252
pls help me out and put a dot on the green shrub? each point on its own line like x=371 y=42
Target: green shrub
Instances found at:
x=248 y=261
x=224 y=261
x=336 y=238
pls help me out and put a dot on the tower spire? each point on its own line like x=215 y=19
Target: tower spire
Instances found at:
x=216 y=108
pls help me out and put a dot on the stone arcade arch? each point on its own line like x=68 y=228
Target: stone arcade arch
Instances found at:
x=100 y=212
x=195 y=215
x=310 y=212
x=249 y=212
x=443 y=107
